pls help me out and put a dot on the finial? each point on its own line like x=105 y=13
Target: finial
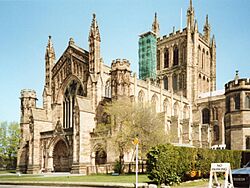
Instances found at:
x=49 y=36
x=190 y=4
x=93 y=15
x=71 y=41
x=173 y=29
x=236 y=75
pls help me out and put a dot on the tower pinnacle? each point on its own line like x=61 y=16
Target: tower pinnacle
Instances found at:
x=50 y=52
x=94 y=47
x=207 y=30
x=190 y=16
x=155 y=25
x=94 y=30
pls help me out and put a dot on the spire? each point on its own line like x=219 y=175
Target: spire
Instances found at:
x=196 y=25
x=50 y=52
x=190 y=16
x=213 y=41
x=94 y=30
x=155 y=25
x=207 y=24
x=190 y=5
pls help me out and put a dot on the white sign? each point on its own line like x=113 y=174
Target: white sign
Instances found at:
x=220 y=167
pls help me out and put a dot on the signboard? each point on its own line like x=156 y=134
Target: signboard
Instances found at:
x=220 y=167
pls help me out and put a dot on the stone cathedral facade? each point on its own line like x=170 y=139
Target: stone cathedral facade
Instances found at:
x=59 y=135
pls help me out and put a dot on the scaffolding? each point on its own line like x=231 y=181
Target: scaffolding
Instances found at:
x=147 y=55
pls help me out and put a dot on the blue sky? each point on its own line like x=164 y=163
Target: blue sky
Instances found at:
x=26 y=25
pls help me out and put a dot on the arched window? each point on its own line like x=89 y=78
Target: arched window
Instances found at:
x=158 y=59
x=199 y=55
x=237 y=101
x=176 y=56
x=247 y=142
x=205 y=116
x=165 y=105
x=175 y=85
x=247 y=101
x=180 y=81
x=216 y=132
x=215 y=113
x=165 y=82
x=176 y=110
x=106 y=118
x=227 y=104
x=154 y=101
x=108 y=89
x=100 y=155
x=203 y=59
x=141 y=97
x=185 y=112
x=166 y=59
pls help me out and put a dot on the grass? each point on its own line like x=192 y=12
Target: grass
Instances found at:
x=7 y=171
x=90 y=178
x=202 y=182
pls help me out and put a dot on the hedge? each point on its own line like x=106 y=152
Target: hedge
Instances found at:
x=170 y=164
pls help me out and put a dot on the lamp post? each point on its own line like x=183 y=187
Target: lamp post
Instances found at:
x=136 y=142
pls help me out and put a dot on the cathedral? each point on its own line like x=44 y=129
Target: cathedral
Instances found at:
x=177 y=74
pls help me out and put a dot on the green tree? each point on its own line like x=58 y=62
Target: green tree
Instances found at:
x=130 y=120
x=9 y=135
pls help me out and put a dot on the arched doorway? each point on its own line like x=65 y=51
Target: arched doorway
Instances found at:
x=61 y=157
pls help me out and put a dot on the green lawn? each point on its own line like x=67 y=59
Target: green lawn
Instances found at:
x=90 y=178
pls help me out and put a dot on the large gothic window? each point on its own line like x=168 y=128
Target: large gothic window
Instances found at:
x=175 y=79
x=73 y=89
x=165 y=82
x=205 y=116
x=176 y=56
x=166 y=59
x=247 y=101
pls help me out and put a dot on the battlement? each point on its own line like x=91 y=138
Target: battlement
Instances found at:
x=178 y=33
x=237 y=84
x=28 y=93
x=120 y=64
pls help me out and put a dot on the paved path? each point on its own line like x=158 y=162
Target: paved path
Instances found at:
x=32 y=186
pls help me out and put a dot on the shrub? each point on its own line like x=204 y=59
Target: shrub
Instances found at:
x=169 y=164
